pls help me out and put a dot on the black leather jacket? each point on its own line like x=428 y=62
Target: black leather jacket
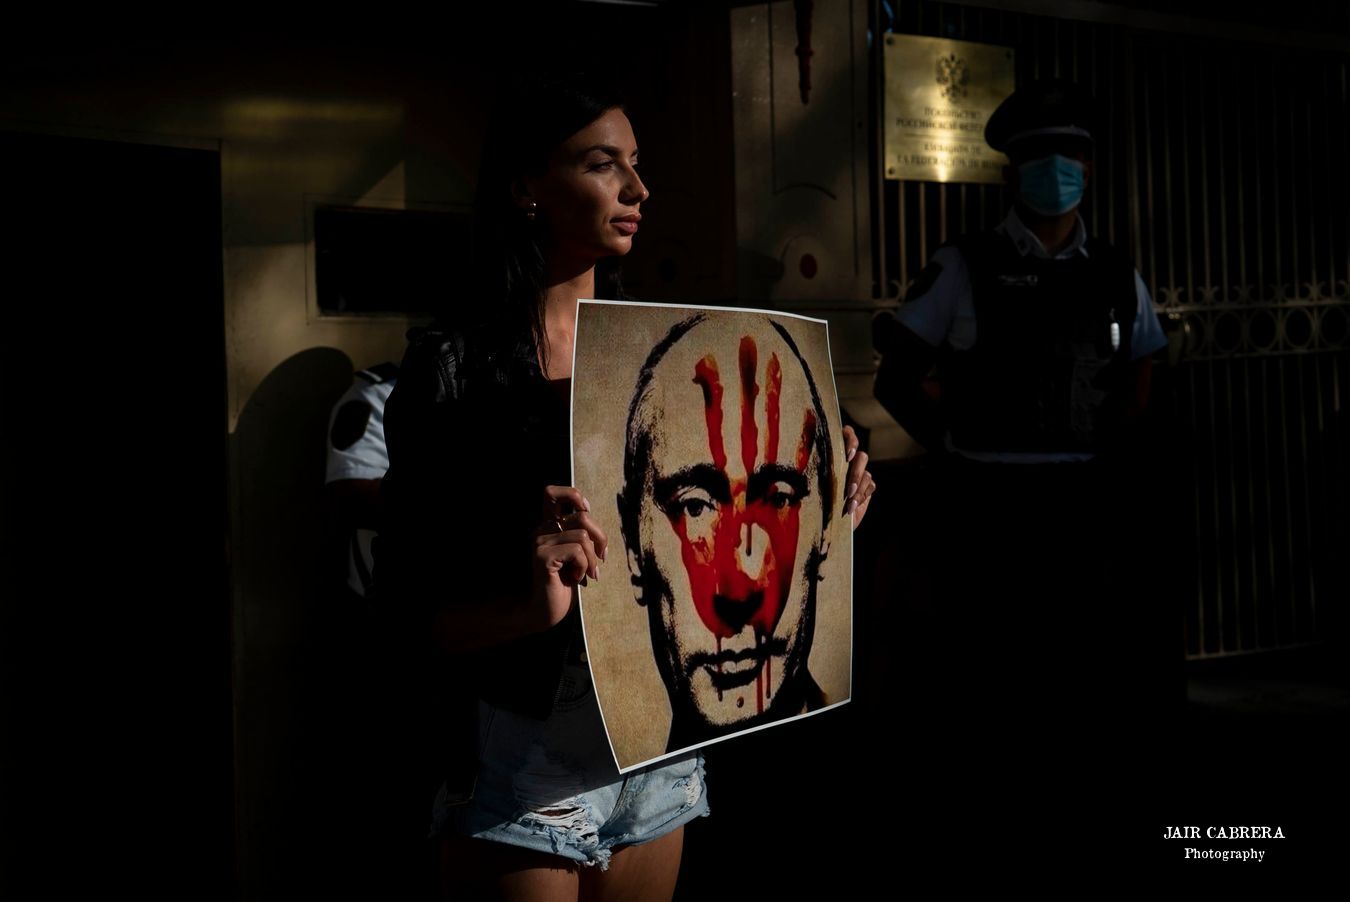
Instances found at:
x=474 y=432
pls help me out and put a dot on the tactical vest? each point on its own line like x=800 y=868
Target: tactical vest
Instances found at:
x=1042 y=375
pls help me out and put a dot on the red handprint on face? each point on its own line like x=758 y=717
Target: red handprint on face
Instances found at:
x=738 y=533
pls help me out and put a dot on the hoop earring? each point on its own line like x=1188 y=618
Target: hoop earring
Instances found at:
x=529 y=214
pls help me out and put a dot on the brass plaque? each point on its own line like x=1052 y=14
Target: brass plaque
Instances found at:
x=939 y=95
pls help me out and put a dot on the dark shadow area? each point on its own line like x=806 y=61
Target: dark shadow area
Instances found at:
x=117 y=736
x=335 y=785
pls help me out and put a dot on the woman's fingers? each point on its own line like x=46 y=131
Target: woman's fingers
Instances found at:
x=560 y=567
x=561 y=554
x=861 y=498
x=857 y=470
x=583 y=520
x=850 y=443
x=568 y=546
x=561 y=500
x=567 y=509
x=859 y=483
x=568 y=560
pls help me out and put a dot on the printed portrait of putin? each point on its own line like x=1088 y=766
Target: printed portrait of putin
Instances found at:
x=729 y=489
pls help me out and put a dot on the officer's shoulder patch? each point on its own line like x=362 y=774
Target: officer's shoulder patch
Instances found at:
x=350 y=424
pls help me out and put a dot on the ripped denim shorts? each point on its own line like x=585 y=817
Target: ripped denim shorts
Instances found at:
x=552 y=785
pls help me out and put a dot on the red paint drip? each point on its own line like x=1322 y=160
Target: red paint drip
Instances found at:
x=719 y=666
x=705 y=374
x=771 y=404
x=759 y=677
x=768 y=676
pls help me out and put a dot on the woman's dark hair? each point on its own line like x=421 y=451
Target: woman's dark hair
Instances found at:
x=534 y=114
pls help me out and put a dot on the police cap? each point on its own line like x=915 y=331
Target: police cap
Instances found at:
x=1048 y=110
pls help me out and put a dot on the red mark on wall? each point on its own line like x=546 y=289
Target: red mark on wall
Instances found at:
x=733 y=588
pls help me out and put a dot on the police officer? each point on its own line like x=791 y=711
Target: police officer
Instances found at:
x=1040 y=337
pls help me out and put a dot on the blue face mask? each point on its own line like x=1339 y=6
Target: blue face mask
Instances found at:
x=1051 y=185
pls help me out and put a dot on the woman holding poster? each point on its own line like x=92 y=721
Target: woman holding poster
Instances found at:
x=486 y=540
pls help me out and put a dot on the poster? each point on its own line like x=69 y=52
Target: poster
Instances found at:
x=709 y=443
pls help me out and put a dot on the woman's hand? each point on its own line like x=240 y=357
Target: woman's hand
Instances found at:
x=568 y=547
x=859 y=485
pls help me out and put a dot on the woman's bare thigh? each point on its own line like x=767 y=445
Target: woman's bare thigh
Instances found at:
x=481 y=869
x=646 y=872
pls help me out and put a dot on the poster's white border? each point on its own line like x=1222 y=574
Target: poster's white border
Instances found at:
x=571 y=441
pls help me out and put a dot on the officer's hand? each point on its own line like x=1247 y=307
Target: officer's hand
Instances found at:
x=859 y=484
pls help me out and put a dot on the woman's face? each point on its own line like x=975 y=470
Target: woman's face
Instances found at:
x=588 y=196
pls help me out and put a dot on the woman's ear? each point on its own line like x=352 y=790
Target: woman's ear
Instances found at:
x=522 y=193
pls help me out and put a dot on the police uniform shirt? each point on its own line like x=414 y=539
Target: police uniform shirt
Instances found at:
x=944 y=312
x=356 y=450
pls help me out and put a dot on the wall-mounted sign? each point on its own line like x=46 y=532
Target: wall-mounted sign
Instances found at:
x=939 y=95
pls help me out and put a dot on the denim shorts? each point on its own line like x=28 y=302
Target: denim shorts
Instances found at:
x=552 y=785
